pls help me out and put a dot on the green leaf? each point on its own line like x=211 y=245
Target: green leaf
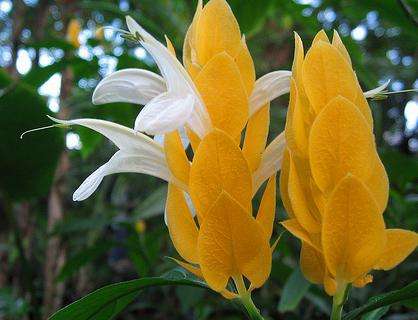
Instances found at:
x=294 y=290
x=376 y=314
x=387 y=299
x=107 y=302
x=27 y=166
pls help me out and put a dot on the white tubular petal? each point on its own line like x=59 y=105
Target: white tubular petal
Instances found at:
x=373 y=92
x=268 y=88
x=124 y=138
x=159 y=138
x=271 y=161
x=179 y=84
x=164 y=114
x=122 y=162
x=129 y=85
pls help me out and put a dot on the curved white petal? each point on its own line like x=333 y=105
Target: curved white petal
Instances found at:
x=129 y=85
x=159 y=138
x=164 y=114
x=271 y=161
x=268 y=88
x=375 y=91
x=179 y=84
x=124 y=138
x=122 y=162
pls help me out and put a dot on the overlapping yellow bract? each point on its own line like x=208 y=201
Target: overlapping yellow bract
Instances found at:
x=333 y=184
x=224 y=241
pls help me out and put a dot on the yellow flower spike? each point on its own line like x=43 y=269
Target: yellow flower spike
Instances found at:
x=219 y=165
x=320 y=36
x=194 y=139
x=181 y=226
x=267 y=210
x=330 y=285
x=312 y=264
x=256 y=137
x=176 y=157
x=298 y=60
x=297 y=74
x=217 y=31
x=363 y=281
x=400 y=243
x=73 y=30
x=169 y=45
x=294 y=227
x=378 y=183
x=340 y=142
x=353 y=231
x=337 y=43
x=296 y=130
x=189 y=267
x=284 y=184
x=223 y=92
x=245 y=65
x=189 y=45
x=301 y=206
x=326 y=74
x=226 y=251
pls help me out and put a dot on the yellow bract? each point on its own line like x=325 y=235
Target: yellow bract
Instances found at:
x=219 y=166
x=221 y=87
x=217 y=58
x=226 y=242
x=229 y=242
x=333 y=184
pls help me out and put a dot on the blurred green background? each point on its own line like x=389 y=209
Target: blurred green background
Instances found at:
x=54 y=251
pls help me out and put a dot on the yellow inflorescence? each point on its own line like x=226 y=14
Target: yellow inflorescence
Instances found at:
x=333 y=184
x=224 y=241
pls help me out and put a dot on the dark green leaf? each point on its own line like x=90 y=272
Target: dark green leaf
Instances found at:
x=27 y=165
x=294 y=290
x=107 y=302
x=376 y=314
x=387 y=299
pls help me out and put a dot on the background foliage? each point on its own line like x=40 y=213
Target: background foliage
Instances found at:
x=54 y=251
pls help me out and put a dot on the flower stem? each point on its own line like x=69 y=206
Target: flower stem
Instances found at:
x=338 y=301
x=245 y=298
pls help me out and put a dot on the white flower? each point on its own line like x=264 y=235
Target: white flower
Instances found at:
x=137 y=153
x=171 y=101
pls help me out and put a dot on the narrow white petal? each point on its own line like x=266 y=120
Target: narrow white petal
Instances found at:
x=179 y=84
x=268 y=88
x=164 y=114
x=124 y=138
x=122 y=162
x=373 y=92
x=159 y=138
x=129 y=85
x=271 y=161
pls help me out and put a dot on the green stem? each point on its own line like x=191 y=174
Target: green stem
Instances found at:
x=338 y=302
x=247 y=302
